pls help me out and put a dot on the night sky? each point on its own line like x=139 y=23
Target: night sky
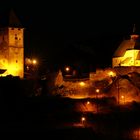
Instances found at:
x=62 y=33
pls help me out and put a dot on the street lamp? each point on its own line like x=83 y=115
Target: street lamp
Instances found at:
x=123 y=99
x=34 y=62
x=111 y=74
x=83 y=119
x=97 y=92
x=31 y=67
x=88 y=102
x=67 y=69
x=82 y=84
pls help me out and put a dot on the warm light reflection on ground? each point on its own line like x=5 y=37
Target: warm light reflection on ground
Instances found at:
x=79 y=97
x=84 y=96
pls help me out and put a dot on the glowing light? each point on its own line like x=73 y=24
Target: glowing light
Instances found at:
x=112 y=74
x=97 y=90
x=88 y=102
x=67 y=69
x=34 y=61
x=82 y=84
x=83 y=119
x=77 y=97
x=13 y=69
x=122 y=97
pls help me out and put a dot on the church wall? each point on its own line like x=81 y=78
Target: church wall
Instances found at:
x=129 y=59
x=137 y=63
x=116 y=61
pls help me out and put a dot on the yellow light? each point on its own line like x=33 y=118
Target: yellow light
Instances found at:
x=112 y=74
x=88 y=102
x=82 y=84
x=13 y=69
x=122 y=97
x=34 y=61
x=97 y=90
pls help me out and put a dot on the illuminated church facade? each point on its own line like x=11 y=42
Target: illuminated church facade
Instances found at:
x=127 y=55
x=12 y=47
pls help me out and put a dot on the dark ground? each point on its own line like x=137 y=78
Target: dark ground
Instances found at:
x=55 y=116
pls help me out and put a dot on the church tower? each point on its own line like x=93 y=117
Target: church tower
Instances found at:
x=12 y=46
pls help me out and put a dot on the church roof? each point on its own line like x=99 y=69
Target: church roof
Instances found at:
x=9 y=19
x=129 y=44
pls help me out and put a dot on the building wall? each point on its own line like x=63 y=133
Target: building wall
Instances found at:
x=129 y=59
x=4 y=49
x=125 y=70
x=13 y=40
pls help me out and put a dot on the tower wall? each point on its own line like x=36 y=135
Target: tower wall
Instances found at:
x=12 y=57
x=4 y=49
x=16 y=51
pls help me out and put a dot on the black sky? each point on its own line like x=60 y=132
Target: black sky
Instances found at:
x=62 y=33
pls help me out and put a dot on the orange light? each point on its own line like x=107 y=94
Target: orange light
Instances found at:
x=34 y=61
x=88 y=102
x=122 y=97
x=83 y=119
x=97 y=90
x=82 y=84
x=112 y=74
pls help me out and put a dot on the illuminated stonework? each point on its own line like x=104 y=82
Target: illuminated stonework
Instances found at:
x=128 y=53
x=12 y=49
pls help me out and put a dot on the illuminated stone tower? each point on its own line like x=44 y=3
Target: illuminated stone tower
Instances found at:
x=12 y=46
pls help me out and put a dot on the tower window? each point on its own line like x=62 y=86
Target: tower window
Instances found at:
x=18 y=28
x=16 y=36
x=16 y=61
x=12 y=28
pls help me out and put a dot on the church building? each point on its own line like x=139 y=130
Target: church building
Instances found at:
x=127 y=55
